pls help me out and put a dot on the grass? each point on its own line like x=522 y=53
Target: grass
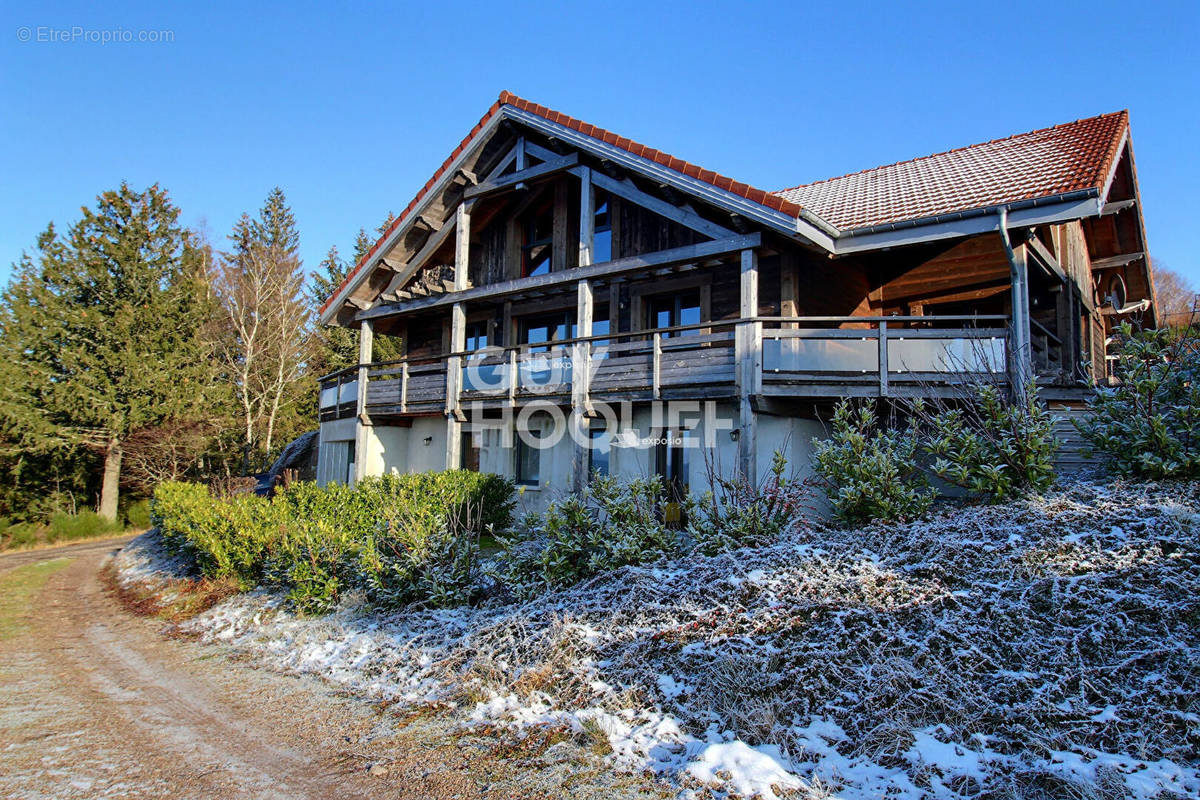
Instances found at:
x=18 y=587
x=173 y=601
x=62 y=527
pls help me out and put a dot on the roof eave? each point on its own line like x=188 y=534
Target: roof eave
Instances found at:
x=335 y=303
x=1025 y=213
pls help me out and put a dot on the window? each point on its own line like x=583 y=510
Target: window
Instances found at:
x=477 y=336
x=538 y=332
x=599 y=451
x=529 y=462
x=602 y=240
x=671 y=464
x=674 y=310
x=469 y=452
x=600 y=327
x=537 y=240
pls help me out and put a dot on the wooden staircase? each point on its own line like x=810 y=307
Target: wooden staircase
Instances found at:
x=1074 y=454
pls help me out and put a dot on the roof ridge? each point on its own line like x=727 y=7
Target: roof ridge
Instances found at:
x=1047 y=129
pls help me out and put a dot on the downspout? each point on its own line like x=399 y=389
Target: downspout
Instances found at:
x=1022 y=355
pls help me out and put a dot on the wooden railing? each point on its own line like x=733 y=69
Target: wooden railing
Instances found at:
x=798 y=356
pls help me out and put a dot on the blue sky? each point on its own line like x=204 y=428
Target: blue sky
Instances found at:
x=350 y=107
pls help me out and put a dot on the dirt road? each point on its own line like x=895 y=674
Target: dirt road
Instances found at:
x=98 y=703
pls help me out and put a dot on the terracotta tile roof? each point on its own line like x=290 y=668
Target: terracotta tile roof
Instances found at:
x=764 y=198
x=1043 y=163
x=760 y=196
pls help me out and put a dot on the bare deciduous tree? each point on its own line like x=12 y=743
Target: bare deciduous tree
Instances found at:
x=1175 y=295
x=260 y=287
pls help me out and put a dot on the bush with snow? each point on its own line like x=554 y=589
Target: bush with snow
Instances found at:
x=1043 y=648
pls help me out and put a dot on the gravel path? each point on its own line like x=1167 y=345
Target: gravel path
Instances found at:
x=98 y=703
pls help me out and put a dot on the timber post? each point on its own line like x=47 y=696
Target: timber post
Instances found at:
x=1021 y=355
x=366 y=341
x=748 y=347
x=458 y=338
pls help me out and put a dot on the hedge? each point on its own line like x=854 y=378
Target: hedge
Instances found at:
x=396 y=539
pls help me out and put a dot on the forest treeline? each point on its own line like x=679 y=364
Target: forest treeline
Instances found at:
x=134 y=351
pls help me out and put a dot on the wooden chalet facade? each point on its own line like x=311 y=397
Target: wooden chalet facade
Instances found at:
x=551 y=270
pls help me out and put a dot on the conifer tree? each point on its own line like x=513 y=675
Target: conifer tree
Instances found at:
x=100 y=332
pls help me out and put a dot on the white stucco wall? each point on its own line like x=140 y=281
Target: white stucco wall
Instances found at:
x=394 y=449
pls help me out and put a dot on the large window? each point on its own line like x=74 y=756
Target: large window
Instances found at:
x=673 y=310
x=537 y=239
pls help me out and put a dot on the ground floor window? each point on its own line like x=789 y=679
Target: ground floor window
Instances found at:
x=469 y=451
x=335 y=462
x=598 y=451
x=529 y=462
x=671 y=465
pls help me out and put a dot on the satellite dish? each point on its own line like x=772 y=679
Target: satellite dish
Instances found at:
x=1117 y=294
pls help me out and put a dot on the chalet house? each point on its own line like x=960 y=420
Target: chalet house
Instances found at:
x=638 y=314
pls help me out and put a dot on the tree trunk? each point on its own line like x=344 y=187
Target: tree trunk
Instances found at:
x=111 y=486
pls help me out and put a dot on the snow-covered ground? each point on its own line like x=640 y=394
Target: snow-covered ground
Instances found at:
x=1046 y=648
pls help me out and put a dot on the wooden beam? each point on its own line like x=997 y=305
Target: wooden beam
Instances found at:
x=464 y=177
x=522 y=176
x=1117 y=207
x=689 y=219
x=678 y=255
x=431 y=246
x=1047 y=260
x=392 y=264
x=423 y=223
x=581 y=404
x=1108 y=262
x=587 y=217
x=366 y=337
x=462 y=243
x=458 y=338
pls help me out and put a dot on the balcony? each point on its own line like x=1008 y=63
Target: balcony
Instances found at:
x=803 y=357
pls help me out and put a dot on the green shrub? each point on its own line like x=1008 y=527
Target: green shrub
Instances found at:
x=397 y=538
x=137 y=514
x=992 y=447
x=612 y=524
x=1149 y=423
x=65 y=527
x=20 y=534
x=870 y=472
x=733 y=513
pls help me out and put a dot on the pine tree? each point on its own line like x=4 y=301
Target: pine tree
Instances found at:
x=100 y=334
x=338 y=346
